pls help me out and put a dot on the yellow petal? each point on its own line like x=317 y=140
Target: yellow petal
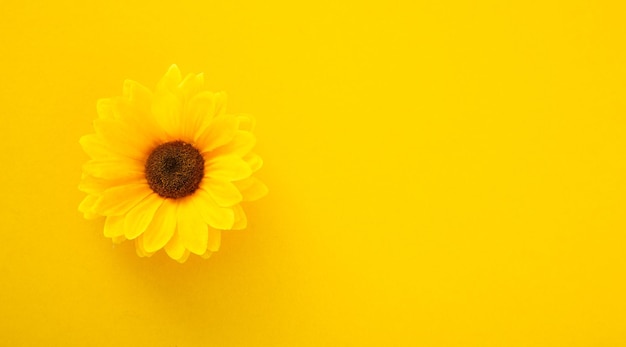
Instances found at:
x=166 y=109
x=221 y=131
x=246 y=122
x=220 y=103
x=215 y=216
x=240 y=145
x=112 y=169
x=166 y=104
x=119 y=200
x=251 y=188
x=140 y=249
x=199 y=112
x=174 y=248
x=96 y=147
x=241 y=221
x=86 y=206
x=227 y=168
x=184 y=257
x=140 y=216
x=162 y=228
x=114 y=226
x=193 y=231
x=121 y=138
x=91 y=185
x=207 y=254
x=106 y=108
x=141 y=122
x=254 y=161
x=95 y=185
x=224 y=193
x=170 y=80
x=214 y=240
x=188 y=90
x=99 y=147
x=191 y=85
x=138 y=95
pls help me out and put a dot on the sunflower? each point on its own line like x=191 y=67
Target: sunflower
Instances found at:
x=169 y=169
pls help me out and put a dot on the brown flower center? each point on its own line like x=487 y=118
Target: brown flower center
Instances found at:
x=174 y=169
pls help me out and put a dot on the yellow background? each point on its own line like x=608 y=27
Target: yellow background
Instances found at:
x=441 y=174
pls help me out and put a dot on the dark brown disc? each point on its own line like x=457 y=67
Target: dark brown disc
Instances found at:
x=175 y=169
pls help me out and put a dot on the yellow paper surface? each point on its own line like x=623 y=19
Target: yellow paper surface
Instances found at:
x=441 y=173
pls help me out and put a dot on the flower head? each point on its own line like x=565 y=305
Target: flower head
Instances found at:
x=169 y=168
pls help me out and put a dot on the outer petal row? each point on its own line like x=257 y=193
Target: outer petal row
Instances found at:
x=219 y=132
x=163 y=223
x=211 y=213
x=162 y=227
x=227 y=168
x=191 y=228
x=251 y=188
x=119 y=200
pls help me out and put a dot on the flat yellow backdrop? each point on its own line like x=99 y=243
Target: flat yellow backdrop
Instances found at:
x=441 y=174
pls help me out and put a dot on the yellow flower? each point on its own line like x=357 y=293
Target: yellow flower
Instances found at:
x=169 y=168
